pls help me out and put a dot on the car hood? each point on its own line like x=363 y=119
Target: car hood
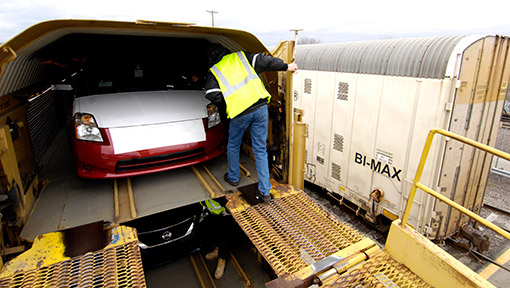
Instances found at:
x=143 y=108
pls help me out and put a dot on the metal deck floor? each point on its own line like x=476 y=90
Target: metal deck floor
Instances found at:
x=69 y=201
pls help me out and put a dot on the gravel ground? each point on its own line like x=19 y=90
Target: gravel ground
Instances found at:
x=503 y=140
x=496 y=194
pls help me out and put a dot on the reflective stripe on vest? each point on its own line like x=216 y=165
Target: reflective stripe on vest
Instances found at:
x=213 y=206
x=239 y=83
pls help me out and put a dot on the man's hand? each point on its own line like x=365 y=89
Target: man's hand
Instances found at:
x=292 y=67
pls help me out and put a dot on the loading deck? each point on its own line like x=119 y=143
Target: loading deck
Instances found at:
x=68 y=201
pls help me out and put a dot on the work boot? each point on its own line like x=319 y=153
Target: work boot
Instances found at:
x=212 y=255
x=220 y=269
x=232 y=183
x=263 y=198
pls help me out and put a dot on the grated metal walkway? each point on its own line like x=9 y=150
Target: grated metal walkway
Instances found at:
x=117 y=265
x=301 y=240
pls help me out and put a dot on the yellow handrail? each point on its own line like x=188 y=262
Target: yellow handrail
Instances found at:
x=419 y=171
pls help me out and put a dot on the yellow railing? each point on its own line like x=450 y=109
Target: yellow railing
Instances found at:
x=417 y=184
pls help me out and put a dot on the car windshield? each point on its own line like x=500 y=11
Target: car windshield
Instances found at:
x=125 y=75
x=114 y=63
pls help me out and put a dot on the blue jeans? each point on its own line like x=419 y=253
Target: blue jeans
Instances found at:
x=258 y=123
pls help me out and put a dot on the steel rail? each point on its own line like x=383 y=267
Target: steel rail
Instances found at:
x=201 y=271
x=203 y=181
x=124 y=200
x=243 y=276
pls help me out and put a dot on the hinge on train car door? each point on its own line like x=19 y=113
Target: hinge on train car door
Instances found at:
x=448 y=106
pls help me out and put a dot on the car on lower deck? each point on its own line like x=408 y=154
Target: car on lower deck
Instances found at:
x=169 y=235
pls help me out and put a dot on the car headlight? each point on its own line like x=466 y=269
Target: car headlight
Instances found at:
x=213 y=116
x=86 y=128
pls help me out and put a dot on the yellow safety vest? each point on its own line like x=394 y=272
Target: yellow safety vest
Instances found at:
x=239 y=83
x=213 y=206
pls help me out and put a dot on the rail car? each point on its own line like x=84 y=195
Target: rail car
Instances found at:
x=368 y=106
x=59 y=230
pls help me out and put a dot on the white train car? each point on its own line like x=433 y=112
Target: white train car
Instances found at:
x=369 y=106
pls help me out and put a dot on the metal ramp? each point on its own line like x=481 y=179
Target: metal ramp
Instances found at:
x=305 y=244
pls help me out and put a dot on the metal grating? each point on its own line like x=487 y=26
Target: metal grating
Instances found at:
x=291 y=229
x=42 y=122
x=379 y=271
x=116 y=266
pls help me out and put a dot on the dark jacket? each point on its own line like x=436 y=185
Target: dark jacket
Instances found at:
x=263 y=63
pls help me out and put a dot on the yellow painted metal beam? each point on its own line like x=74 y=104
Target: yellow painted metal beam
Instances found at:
x=124 y=200
x=210 y=183
x=202 y=180
x=11 y=169
x=429 y=262
x=203 y=275
x=116 y=199
x=297 y=176
x=244 y=170
x=211 y=176
x=243 y=276
x=7 y=49
x=131 y=199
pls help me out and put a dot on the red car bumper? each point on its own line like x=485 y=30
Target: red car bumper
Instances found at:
x=97 y=160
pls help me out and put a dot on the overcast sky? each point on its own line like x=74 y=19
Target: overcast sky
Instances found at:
x=270 y=21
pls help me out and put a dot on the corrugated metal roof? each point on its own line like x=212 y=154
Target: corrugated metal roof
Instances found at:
x=412 y=57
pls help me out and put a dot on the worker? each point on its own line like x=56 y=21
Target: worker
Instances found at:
x=219 y=233
x=233 y=79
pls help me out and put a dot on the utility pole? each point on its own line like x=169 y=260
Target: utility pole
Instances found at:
x=296 y=33
x=212 y=15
